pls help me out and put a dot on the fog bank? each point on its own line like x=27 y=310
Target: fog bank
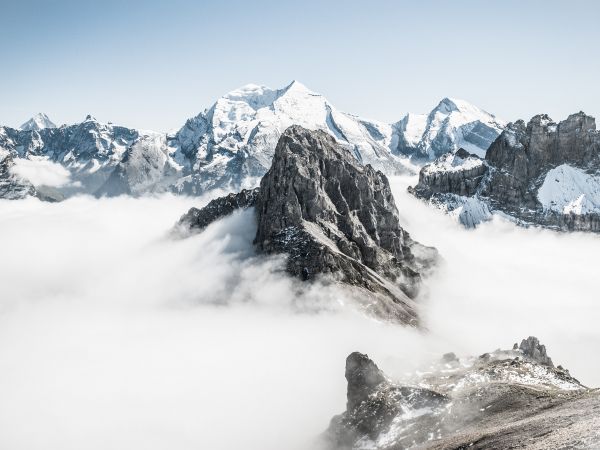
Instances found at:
x=113 y=335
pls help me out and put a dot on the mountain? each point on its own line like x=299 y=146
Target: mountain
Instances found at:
x=37 y=123
x=335 y=219
x=230 y=145
x=540 y=173
x=12 y=187
x=503 y=399
x=91 y=151
x=451 y=125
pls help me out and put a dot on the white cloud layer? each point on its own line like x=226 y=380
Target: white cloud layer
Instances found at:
x=114 y=336
x=41 y=172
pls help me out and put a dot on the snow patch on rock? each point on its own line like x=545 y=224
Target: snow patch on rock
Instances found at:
x=569 y=190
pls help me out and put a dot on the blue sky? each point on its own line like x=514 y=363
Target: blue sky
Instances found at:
x=152 y=64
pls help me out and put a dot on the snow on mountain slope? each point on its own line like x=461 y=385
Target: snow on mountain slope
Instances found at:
x=147 y=166
x=233 y=142
x=89 y=151
x=567 y=189
x=38 y=122
x=452 y=124
x=231 y=145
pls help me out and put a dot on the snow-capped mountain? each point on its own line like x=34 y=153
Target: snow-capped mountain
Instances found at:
x=89 y=150
x=451 y=125
x=230 y=145
x=540 y=173
x=37 y=123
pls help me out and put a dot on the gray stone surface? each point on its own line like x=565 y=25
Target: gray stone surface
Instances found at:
x=332 y=217
x=196 y=219
x=515 y=167
x=503 y=399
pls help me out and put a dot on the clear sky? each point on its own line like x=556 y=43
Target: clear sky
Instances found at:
x=152 y=64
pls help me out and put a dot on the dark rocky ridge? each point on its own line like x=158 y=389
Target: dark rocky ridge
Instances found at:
x=515 y=167
x=331 y=216
x=503 y=399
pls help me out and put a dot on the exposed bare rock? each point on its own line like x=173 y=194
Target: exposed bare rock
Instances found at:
x=540 y=173
x=532 y=348
x=333 y=217
x=503 y=399
x=198 y=219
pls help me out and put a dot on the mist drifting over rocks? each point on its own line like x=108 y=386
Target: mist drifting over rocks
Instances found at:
x=112 y=334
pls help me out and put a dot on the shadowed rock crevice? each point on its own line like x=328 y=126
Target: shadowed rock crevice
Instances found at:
x=332 y=217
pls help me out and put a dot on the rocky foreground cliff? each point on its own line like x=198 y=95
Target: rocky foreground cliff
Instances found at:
x=504 y=399
x=335 y=219
x=541 y=173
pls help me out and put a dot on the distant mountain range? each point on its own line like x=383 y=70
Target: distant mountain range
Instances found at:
x=228 y=146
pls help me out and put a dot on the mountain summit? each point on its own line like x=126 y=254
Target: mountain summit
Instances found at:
x=335 y=219
x=451 y=125
x=231 y=144
x=37 y=123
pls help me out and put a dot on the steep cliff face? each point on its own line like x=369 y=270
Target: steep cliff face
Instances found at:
x=501 y=399
x=542 y=173
x=333 y=217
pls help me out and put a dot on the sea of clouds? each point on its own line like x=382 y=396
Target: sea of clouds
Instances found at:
x=114 y=334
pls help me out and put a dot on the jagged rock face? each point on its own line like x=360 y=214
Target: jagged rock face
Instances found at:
x=374 y=402
x=459 y=173
x=532 y=348
x=541 y=173
x=332 y=217
x=504 y=399
x=198 y=219
x=363 y=377
x=316 y=187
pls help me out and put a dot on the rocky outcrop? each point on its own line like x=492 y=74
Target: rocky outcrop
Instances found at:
x=459 y=173
x=533 y=350
x=503 y=399
x=333 y=218
x=198 y=219
x=540 y=173
x=374 y=402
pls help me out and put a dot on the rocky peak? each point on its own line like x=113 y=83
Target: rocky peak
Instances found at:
x=363 y=378
x=38 y=122
x=532 y=348
x=335 y=219
x=446 y=106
